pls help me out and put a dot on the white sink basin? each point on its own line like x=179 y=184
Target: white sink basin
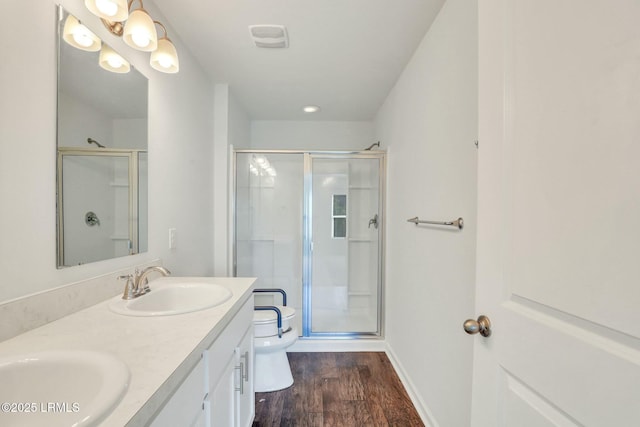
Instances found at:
x=170 y=296
x=60 y=388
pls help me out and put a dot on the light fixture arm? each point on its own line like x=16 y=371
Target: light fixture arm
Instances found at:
x=117 y=28
x=131 y=2
x=164 y=29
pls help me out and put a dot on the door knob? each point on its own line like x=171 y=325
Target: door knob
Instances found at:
x=482 y=325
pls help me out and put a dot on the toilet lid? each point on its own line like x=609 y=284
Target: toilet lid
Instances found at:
x=269 y=316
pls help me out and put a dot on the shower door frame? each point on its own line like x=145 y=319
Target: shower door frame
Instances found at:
x=132 y=156
x=307 y=233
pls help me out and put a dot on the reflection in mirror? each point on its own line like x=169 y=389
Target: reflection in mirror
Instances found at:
x=102 y=149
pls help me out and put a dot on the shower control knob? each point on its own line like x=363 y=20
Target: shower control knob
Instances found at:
x=482 y=325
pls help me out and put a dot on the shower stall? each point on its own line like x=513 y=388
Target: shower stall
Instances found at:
x=312 y=223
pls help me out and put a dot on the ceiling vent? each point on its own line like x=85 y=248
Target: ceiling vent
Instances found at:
x=269 y=36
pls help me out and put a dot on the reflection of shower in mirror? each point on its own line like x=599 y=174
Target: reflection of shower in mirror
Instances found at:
x=93 y=141
x=91 y=219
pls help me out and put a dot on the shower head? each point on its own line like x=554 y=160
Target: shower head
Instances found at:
x=372 y=145
x=93 y=141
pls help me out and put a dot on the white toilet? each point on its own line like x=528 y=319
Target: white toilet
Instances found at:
x=272 y=370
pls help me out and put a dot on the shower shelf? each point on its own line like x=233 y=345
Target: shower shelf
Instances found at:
x=119 y=184
x=363 y=240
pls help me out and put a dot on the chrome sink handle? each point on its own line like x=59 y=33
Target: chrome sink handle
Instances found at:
x=128 y=287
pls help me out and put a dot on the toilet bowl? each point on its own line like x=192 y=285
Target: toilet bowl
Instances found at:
x=272 y=370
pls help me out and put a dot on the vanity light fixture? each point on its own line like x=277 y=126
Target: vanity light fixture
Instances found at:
x=311 y=109
x=111 y=61
x=79 y=36
x=113 y=10
x=139 y=31
x=165 y=57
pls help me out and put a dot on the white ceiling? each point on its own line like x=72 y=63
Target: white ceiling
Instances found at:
x=343 y=55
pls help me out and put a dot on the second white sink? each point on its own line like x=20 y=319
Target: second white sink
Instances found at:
x=60 y=388
x=173 y=295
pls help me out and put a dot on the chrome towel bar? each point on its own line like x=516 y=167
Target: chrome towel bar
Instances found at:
x=456 y=223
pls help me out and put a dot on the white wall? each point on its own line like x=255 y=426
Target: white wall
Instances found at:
x=232 y=128
x=180 y=153
x=239 y=123
x=429 y=122
x=311 y=135
x=78 y=121
x=130 y=133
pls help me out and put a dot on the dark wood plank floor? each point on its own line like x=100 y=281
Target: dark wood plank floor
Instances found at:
x=338 y=389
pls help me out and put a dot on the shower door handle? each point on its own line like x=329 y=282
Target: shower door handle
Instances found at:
x=373 y=221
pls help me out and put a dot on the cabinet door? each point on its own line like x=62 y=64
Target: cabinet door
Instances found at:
x=244 y=395
x=185 y=406
x=229 y=365
x=203 y=416
x=221 y=397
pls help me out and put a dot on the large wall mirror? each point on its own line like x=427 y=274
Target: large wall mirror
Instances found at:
x=101 y=149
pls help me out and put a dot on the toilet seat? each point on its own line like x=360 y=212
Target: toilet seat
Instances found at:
x=266 y=322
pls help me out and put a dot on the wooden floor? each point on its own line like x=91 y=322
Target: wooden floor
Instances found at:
x=338 y=389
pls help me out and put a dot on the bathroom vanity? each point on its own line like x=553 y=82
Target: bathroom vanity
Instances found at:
x=191 y=369
x=219 y=389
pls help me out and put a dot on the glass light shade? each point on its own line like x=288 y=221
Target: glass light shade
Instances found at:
x=79 y=36
x=110 y=60
x=165 y=57
x=140 y=31
x=112 y=10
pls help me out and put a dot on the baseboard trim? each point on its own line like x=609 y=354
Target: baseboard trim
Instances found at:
x=423 y=410
x=333 y=345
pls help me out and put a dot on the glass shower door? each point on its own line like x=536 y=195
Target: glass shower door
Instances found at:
x=344 y=270
x=268 y=241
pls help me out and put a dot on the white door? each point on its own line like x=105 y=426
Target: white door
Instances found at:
x=558 y=260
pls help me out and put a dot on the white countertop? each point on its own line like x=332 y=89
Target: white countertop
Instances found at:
x=159 y=351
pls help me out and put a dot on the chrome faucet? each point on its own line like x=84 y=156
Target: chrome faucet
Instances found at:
x=140 y=282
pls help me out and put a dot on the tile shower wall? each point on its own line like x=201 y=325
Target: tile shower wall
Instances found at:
x=269 y=225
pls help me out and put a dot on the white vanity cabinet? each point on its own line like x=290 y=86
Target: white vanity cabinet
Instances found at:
x=229 y=371
x=219 y=390
x=185 y=407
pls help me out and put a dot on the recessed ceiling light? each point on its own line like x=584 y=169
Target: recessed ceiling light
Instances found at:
x=311 y=109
